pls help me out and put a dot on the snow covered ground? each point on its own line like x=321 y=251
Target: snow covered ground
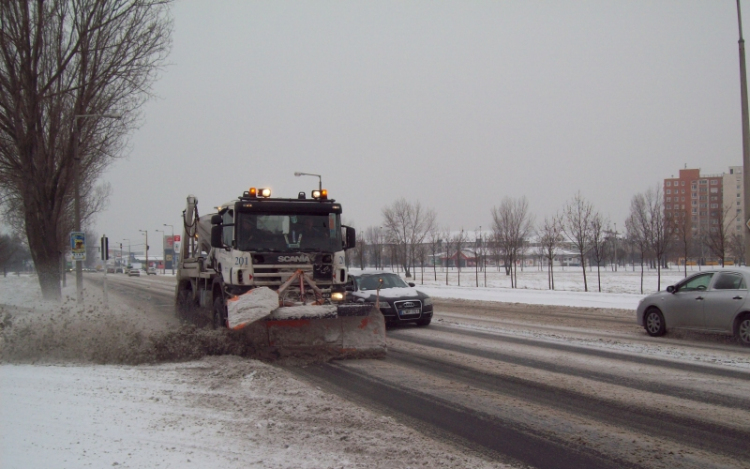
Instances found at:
x=60 y=410
x=620 y=289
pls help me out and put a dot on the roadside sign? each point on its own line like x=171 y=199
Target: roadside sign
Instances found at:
x=748 y=224
x=78 y=245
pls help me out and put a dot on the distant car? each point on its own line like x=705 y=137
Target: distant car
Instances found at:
x=399 y=302
x=110 y=270
x=134 y=273
x=151 y=271
x=714 y=301
x=119 y=270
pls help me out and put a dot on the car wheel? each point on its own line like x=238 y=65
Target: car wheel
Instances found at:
x=424 y=322
x=654 y=323
x=743 y=330
x=220 y=314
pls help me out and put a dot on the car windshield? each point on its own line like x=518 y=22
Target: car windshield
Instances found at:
x=371 y=282
x=289 y=233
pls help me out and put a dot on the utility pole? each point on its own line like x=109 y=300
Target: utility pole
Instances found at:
x=146 y=232
x=745 y=135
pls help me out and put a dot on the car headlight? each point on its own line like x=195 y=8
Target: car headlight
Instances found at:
x=427 y=301
x=385 y=305
x=337 y=296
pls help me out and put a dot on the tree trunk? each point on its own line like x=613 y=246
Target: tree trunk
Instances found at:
x=583 y=268
x=44 y=249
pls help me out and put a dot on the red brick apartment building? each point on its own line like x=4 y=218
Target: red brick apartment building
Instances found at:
x=697 y=199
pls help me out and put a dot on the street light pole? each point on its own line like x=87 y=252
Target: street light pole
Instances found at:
x=745 y=132
x=320 y=178
x=165 y=265
x=163 y=250
x=146 y=231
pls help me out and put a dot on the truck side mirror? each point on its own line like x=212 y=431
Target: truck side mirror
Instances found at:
x=216 y=219
x=350 y=240
x=216 y=231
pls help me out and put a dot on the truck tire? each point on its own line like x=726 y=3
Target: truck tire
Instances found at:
x=219 y=313
x=185 y=306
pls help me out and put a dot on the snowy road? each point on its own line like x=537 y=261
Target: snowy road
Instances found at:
x=486 y=385
x=526 y=390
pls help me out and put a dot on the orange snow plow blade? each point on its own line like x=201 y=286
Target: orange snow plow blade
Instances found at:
x=298 y=328
x=350 y=331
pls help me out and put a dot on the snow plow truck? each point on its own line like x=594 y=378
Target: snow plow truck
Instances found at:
x=275 y=269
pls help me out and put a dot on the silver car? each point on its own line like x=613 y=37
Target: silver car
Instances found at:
x=713 y=301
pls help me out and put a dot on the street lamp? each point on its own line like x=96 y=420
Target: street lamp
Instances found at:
x=128 y=261
x=165 y=265
x=77 y=192
x=146 y=232
x=163 y=256
x=320 y=178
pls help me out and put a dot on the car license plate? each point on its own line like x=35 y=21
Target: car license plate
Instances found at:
x=409 y=312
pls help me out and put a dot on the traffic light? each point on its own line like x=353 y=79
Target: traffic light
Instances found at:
x=105 y=248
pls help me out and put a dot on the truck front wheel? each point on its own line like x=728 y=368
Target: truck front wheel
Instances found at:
x=220 y=313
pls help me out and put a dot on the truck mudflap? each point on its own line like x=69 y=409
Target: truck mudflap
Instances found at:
x=343 y=331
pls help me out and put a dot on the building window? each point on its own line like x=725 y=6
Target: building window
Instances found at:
x=669 y=183
x=669 y=191
x=683 y=183
x=714 y=182
x=669 y=199
x=714 y=190
x=683 y=199
x=695 y=210
x=703 y=181
x=683 y=207
x=714 y=205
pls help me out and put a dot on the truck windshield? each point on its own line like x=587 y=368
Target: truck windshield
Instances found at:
x=288 y=233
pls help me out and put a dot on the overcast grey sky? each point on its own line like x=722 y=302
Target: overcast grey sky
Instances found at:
x=454 y=104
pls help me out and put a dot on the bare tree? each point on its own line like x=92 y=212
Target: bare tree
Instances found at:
x=638 y=228
x=360 y=249
x=661 y=235
x=717 y=235
x=550 y=238
x=448 y=245
x=598 y=245
x=64 y=64
x=13 y=252
x=511 y=226
x=737 y=247
x=682 y=238
x=459 y=239
x=577 y=228
x=407 y=224
x=435 y=245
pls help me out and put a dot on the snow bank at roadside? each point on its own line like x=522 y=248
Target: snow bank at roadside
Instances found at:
x=537 y=297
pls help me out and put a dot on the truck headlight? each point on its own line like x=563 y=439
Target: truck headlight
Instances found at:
x=337 y=296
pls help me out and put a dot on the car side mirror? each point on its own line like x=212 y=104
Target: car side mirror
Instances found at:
x=411 y=284
x=671 y=289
